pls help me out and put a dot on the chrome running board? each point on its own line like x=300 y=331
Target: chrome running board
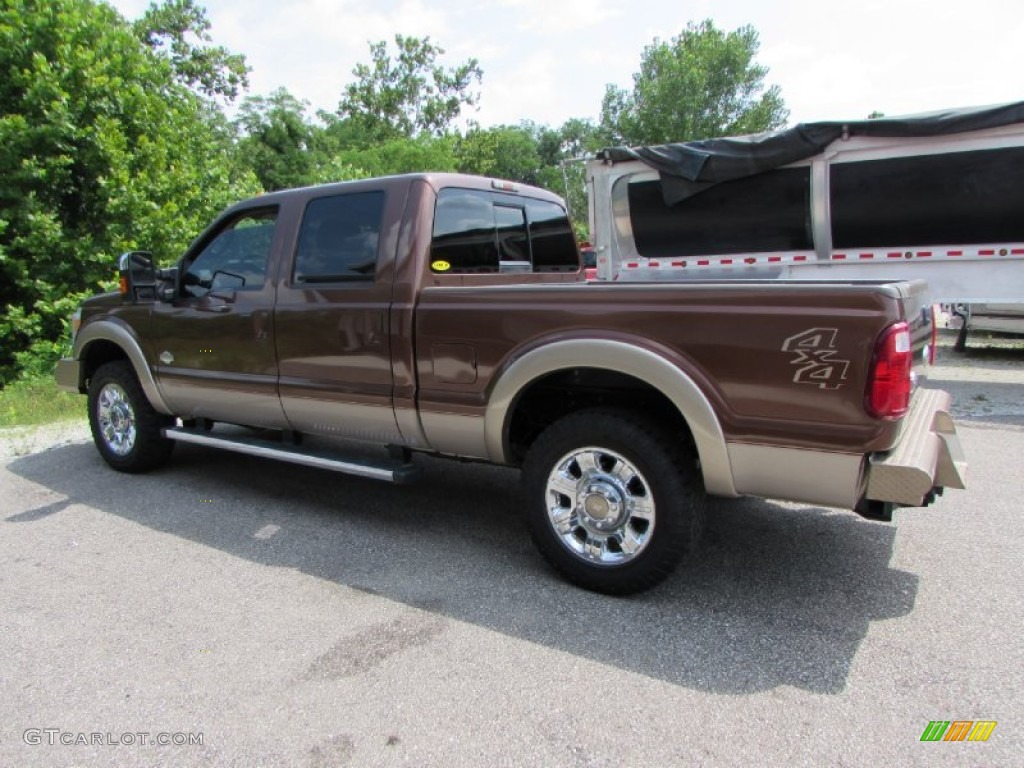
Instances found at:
x=389 y=471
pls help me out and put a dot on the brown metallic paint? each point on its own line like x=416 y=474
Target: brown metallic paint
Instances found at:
x=726 y=337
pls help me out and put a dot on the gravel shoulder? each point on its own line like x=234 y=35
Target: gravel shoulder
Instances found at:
x=22 y=441
x=986 y=381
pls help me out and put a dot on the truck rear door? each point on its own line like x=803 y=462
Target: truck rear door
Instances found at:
x=332 y=315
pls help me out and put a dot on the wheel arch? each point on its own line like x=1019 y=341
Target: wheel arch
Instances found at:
x=101 y=341
x=616 y=361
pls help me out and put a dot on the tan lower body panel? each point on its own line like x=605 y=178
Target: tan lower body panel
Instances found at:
x=793 y=474
x=928 y=455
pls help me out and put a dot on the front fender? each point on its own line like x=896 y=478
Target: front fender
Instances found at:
x=112 y=330
x=622 y=357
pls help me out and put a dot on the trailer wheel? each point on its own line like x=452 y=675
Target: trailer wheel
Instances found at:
x=125 y=427
x=613 y=501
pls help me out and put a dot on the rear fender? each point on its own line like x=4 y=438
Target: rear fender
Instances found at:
x=622 y=357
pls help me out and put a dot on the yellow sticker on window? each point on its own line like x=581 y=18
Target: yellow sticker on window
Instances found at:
x=440 y=266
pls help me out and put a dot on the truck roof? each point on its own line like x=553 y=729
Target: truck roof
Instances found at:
x=435 y=180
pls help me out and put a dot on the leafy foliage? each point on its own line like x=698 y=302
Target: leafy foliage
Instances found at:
x=277 y=140
x=102 y=150
x=701 y=84
x=177 y=31
x=410 y=94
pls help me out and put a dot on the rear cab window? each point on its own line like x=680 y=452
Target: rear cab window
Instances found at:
x=481 y=232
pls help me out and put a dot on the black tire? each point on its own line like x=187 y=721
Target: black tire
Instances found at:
x=627 y=481
x=125 y=427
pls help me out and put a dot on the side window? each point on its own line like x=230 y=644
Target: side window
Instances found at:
x=953 y=198
x=236 y=258
x=477 y=231
x=551 y=238
x=464 y=233
x=766 y=212
x=513 y=245
x=339 y=238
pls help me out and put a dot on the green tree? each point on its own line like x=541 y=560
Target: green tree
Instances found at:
x=277 y=140
x=179 y=32
x=400 y=155
x=102 y=150
x=408 y=94
x=701 y=84
x=503 y=152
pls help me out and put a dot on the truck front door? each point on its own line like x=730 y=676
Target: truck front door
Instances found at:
x=214 y=343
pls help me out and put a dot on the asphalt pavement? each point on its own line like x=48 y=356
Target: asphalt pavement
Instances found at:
x=258 y=614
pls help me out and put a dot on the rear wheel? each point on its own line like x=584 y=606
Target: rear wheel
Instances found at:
x=613 y=501
x=125 y=427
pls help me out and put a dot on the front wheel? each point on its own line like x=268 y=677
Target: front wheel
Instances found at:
x=125 y=427
x=613 y=501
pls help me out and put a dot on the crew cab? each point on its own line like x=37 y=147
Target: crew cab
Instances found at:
x=448 y=314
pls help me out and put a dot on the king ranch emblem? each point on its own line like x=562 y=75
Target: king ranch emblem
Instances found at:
x=814 y=354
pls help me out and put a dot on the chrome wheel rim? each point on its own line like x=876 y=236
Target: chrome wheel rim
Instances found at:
x=116 y=419
x=600 y=506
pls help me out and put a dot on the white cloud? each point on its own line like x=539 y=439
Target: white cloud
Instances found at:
x=562 y=17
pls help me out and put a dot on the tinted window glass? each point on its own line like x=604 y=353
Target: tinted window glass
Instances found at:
x=947 y=199
x=766 y=212
x=464 y=232
x=513 y=244
x=339 y=238
x=551 y=238
x=477 y=231
x=236 y=258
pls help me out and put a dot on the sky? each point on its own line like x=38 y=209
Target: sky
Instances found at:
x=549 y=60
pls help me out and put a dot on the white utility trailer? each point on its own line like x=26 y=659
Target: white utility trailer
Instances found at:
x=937 y=196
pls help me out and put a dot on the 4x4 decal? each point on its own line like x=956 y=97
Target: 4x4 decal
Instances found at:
x=814 y=352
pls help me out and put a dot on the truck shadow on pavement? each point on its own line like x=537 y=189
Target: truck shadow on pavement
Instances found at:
x=777 y=595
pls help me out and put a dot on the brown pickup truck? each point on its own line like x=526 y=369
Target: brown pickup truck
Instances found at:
x=447 y=314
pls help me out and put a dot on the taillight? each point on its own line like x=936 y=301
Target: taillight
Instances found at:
x=889 y=380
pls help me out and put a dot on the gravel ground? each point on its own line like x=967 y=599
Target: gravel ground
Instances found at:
x=986 y=381
x=21 y=441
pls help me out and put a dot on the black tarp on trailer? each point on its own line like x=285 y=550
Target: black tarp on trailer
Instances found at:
x=688 y=168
